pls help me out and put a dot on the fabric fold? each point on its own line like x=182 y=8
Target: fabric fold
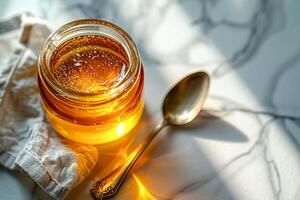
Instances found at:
x=27 y=141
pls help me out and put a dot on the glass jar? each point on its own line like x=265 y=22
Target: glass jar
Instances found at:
x=82 y=101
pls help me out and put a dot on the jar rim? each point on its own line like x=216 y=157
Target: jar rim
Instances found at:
x=89 y=27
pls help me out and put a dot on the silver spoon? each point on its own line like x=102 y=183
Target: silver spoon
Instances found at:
x=181 y=105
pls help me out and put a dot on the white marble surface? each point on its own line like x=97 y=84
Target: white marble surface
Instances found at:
x=246 y=146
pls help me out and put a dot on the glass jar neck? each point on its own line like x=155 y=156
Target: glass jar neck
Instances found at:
x=82 y=28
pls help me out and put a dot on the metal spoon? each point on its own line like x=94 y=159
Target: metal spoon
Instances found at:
x=181 y=105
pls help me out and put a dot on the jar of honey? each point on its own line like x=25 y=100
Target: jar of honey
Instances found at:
x=91 y=79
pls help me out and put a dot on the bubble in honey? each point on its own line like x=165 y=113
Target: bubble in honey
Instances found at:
x=88 y=64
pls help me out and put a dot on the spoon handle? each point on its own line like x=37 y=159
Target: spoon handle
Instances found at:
x=109 y=185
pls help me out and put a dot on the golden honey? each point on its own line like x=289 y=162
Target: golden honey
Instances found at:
x=91 y=81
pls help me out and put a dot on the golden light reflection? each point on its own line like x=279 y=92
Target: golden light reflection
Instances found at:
x=120 y=129
x=102 y=133
x=144 y=194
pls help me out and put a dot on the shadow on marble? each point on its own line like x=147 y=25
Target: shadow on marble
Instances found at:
x=3 y=6
x=258 y=43
x=210 y=126
x=179 y=168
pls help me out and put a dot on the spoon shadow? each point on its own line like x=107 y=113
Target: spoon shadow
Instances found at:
x=177 y=155
x=209 y=126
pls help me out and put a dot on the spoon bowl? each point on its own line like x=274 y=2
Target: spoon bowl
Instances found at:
x=185 y=100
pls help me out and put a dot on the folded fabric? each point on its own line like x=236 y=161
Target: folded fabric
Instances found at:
x=27 y=141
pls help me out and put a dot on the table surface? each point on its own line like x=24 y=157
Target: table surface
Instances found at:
x=246 y=144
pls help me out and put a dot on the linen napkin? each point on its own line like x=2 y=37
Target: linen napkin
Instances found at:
x=27 y=141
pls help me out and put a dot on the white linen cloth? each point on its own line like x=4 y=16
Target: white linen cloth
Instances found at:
x=27 y=141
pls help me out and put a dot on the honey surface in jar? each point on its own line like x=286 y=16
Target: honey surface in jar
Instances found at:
x=89 y=63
